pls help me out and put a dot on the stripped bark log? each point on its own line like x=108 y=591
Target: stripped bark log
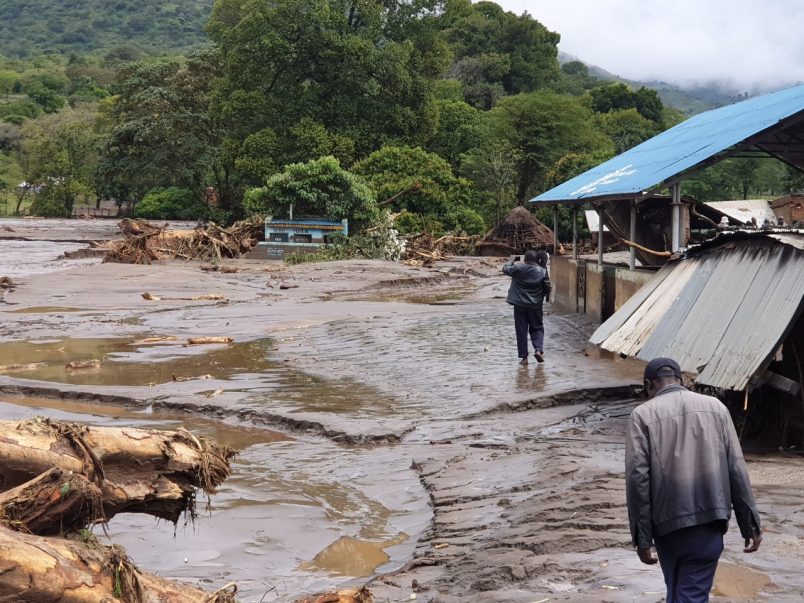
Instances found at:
x=136 y=470
x=347 y=595
x=52 y=570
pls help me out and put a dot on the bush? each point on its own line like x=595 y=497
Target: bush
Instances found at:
x=317 y=188
x=48 y=207
x=172 y=203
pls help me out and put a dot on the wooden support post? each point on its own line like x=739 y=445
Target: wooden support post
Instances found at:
x=574 y=232
x=675 y=217
x=599 y=237
x=632 y=236
x=555 y=230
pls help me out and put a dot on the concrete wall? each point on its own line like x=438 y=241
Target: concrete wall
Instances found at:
x=607 y=288
x=628 y=282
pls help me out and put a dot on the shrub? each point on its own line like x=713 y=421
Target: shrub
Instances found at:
x=45 y=206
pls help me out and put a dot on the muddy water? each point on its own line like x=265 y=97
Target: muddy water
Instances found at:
x=23 y=258
x=739 y=582
x=296 y=515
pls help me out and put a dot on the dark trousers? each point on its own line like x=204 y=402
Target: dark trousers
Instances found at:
x=689 y=559
x=528 y=321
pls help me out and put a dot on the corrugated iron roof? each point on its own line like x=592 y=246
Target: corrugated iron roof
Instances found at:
x=721 y=312
x=667 y=156
x=744 y=210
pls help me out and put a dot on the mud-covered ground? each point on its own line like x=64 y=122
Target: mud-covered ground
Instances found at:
x=388 y=434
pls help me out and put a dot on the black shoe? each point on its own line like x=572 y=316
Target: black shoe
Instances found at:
x=539 y=356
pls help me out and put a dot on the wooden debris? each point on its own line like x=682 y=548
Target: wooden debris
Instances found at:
x=347 y=595
x=219 y=268
x=38 y=569
x=207 y=340
x=145 y=243
x=136 y=470
x=424 y=250
x=79 y=365
x=288 y=286
x=150 y=340
x=205 y=297
x=181 y=379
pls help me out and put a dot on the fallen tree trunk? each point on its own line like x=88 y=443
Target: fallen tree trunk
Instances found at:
x=136 y=470
x=54 y=570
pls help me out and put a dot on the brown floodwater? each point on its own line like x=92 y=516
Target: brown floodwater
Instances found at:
x=124 y=362
x=296 y=516
x=739 y=582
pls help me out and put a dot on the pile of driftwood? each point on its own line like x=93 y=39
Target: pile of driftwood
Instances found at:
x=58 y=479
x=144 y=242
x=423 y=249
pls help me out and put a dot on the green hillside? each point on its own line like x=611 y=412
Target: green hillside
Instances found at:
x=31 y=27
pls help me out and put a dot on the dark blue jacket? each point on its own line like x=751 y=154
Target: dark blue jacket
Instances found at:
x=530 y=284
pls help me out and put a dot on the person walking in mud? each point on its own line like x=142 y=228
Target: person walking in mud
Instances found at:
x=530 y=286
x=684 y=472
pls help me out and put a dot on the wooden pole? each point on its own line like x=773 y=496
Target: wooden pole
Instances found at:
x=599 y=237
x=575 y=232
x=675 y=217
x=555 y=230
x=632 y=236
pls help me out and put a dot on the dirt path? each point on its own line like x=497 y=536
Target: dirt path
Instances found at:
x=398 y=384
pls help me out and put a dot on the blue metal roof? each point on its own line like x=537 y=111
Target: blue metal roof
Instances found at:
x=664 y=157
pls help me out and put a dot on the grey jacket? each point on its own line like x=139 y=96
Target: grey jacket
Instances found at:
x=530 y=284
x=684 y=467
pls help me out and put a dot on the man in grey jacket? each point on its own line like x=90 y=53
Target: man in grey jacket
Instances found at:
x=684 y=472
x=530 y=286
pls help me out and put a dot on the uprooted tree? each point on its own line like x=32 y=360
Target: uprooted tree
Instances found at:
x=61 y=478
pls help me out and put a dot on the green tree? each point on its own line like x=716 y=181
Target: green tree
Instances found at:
x=492 y=169
x=320 y=187
x=361 y=71
x=58 y=154
x=626 y=128
x=429 y=187
x=619 y=96
x=165 y=134
x=459 y=130
x=542 y=127
x=494 y=46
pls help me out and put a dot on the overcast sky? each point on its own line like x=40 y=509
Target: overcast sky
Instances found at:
x=753 y=44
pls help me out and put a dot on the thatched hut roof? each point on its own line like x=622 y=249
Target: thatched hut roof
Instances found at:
x=518 y=232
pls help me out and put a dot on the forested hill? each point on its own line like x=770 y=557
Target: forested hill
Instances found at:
x=31 y=27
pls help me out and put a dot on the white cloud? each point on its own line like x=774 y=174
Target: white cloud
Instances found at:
x=749 y=44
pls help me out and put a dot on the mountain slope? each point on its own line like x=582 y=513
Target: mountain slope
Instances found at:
x=31 y=27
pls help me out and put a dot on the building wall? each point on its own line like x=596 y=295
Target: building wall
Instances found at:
x=607 y=288
x=628 y=282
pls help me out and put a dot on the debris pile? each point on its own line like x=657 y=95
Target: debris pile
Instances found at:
x=518 y=232
x=59 y=479
x=423 y=249
x=144 y=242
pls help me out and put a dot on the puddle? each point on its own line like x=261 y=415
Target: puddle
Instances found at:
x=285 y=502
x=124 y=363
x=739 y=582
x=352 y=557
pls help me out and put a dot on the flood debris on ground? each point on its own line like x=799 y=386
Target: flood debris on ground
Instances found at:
x=61 y=478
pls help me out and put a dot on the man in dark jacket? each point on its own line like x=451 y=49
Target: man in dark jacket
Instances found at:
x=684 y=472
x=530 y=286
